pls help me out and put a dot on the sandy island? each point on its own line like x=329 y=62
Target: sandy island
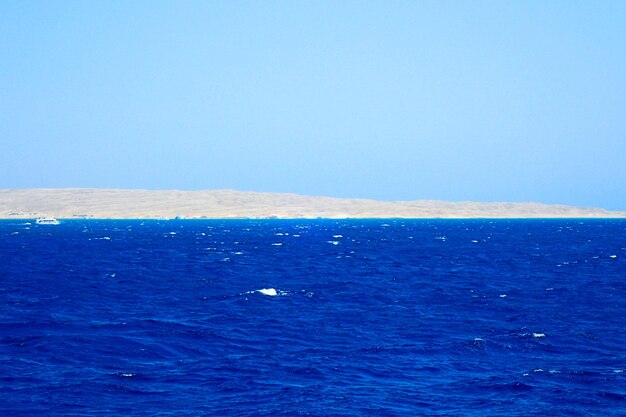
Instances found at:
x=221 y=204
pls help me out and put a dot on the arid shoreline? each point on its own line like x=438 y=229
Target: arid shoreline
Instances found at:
x=222 y=204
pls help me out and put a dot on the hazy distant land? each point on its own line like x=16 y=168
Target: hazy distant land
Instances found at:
x=219 y=204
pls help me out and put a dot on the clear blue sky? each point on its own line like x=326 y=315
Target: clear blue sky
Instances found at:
x=394 y=100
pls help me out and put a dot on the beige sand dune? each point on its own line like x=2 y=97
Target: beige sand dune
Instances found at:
x=113 y=203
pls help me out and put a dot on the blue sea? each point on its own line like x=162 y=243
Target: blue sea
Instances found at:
x=313 y=318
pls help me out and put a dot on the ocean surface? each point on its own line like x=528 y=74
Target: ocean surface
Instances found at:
x=313 y=318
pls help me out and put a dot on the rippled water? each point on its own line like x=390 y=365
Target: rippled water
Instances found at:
x=318 y=317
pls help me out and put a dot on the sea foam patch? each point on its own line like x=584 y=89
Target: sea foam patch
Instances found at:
x=268 y=291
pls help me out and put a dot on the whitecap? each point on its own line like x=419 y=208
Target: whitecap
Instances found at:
x=277 y=244
x=539 y=335
x=502 y=296
x=474 y=241
x=613 y=256
x=337 y=236
x=273 y=292
x=333 y=242
x=268 y=291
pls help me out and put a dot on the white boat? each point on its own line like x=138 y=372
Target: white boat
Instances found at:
x=46 y=220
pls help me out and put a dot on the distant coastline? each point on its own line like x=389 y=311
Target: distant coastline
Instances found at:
x=225 y=204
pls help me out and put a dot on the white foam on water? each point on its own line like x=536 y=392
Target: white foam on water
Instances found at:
x=128 y=375
x=613 y=256
x=15 y=233
x=550 y=289
x=277 y=244
x=268 y=291
x=337 y=236
x=273 y=292
x=539 y=335
x=171 y=233
x=502 y=296
x=237 y=253
x=333 y=242
x=474 y=241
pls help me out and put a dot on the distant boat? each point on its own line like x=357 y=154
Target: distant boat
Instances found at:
x=46 y=220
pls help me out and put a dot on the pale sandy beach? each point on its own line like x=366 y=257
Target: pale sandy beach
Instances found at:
x=218 y=204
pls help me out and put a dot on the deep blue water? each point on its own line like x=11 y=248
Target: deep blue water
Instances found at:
x=370 y=318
